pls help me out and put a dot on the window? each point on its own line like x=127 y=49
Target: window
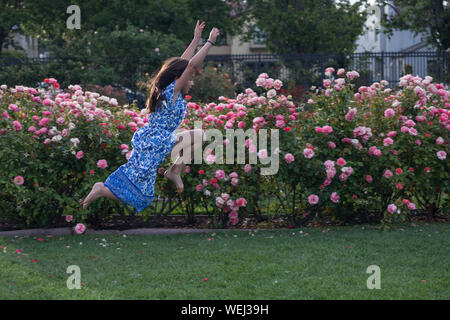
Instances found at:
x=259 y=37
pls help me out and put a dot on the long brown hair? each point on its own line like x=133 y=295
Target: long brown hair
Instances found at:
x=172 y=68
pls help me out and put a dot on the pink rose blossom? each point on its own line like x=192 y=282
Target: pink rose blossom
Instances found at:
x=404 y=129
x=17 y=125
x=313 y=199
x=334 y=197
x=69 y=218
x=225 y=196
x=102 y=163
x=442 y=155
x=387 y=142
x=289 y=158
x=80 y=228
x=392 y=208
x=341 y=162
x=308 y=153
x=388 y=174
x=18 y=180
x=220 y=174
x=233 y=175
x=241 y=202
x=392 y=134
x=262 y=154
x=412 y=131
x=369 y=178
x=411 y=206
x=389 y=113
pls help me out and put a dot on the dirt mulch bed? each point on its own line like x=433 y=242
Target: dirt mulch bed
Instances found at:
x=175 y=224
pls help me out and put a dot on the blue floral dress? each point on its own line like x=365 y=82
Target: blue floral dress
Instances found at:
x=133 y=183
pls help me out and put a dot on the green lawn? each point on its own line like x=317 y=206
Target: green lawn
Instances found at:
x=303 y=263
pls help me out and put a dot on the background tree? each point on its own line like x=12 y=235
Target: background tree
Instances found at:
x=119 y=41
x=47 y=18
x=428 y=17
x=304 y=26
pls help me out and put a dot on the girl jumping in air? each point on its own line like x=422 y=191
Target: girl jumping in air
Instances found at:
x=133 y=183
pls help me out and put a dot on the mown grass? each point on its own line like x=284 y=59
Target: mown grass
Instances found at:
x=308 y=263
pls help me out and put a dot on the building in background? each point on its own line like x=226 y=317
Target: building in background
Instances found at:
x=392 y=57
x=29 y=44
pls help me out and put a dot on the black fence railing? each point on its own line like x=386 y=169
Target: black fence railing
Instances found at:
x=308 y=69
x=301 y=69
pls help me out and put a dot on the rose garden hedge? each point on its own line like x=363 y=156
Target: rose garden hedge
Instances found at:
x=348 y=155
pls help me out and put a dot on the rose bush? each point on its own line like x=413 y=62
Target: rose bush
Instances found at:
x=350 y=154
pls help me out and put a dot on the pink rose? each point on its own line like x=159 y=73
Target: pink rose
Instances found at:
x=102 y=164
x=341 y=162
x=79 y=154
x=220 y=174
x=69 y=218
x=80 y=228
x=387 y=142
x=262 y=154
x=17 y=125
x=389 y=113
x=327 y=129
x=308 y=153
x=18 y=180
x=442 y=155
x=334 y=197
x=225 y=196
x=388 y=174
x=289 y=158
x=369 y=178
x=392 y=208
x=411 y=206
x=241 y=202
x=313 y=199
x=392 y=134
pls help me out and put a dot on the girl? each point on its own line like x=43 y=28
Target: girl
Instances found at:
x=133 y=183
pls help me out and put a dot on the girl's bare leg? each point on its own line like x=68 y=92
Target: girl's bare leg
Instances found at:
x=195 y=141
x=98 y=191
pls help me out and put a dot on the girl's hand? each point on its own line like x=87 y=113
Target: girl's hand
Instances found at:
x=199 y=29
x=214 y=34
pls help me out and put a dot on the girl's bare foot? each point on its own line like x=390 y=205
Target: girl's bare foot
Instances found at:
x=95 y=193
x=176 y=179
